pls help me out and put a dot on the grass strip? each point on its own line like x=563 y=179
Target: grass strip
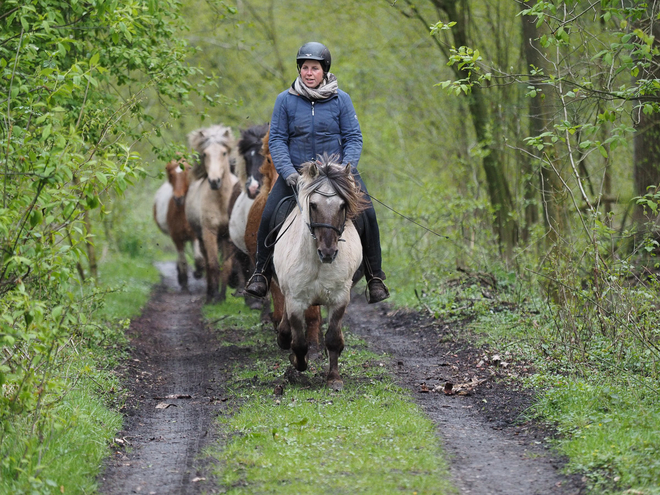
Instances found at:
x=368 y=438
x=60 y=447
x=605 y=406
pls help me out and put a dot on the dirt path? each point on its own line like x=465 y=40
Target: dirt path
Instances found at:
x=491 y=451
x=174 y=355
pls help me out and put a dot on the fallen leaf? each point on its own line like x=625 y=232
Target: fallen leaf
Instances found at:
x=195 y=480
x=424 y=389
x=164 y=405
x=448 y=388
x=174 y=396
x=279 y=390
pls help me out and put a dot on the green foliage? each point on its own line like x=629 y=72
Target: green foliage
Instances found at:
x=76 y=77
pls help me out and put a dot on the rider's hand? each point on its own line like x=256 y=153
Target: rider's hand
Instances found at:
x=292 y=180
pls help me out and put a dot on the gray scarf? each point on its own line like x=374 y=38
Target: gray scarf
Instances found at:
x=326 y=89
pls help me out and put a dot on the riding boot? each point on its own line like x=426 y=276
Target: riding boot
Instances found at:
x=371 y=253
x=259 y=282
x=377 y=290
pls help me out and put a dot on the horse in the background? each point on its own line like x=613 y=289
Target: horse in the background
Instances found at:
x=207 y=203
x=248 y=164
x=313 y=318
x=312 y=266
x=170 y=216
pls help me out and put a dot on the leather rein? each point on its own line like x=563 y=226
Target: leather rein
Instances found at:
x=316 y=225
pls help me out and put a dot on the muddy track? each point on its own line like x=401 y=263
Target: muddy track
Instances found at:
x=177 y=369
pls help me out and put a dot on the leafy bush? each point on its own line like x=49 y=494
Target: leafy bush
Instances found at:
x=76 y=76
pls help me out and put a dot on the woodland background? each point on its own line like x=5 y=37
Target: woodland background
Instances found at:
x=524 y=135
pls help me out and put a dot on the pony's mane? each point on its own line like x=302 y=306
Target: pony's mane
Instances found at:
x=251 y=139
x=329 y=171
x=200 y=139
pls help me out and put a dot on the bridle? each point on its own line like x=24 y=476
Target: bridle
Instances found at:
x=316 y=225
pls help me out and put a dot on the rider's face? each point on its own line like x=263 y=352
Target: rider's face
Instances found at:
x=311 y=73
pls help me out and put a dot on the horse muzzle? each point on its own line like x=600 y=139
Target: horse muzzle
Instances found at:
x=215 y=183
x=327 y=255
x=252 y=187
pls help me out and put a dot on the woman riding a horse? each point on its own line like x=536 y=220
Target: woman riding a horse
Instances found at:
x=312 y=118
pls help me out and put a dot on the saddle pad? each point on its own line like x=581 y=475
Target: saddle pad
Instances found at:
x=282 y=210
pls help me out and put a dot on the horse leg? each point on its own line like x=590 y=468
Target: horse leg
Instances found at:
x=227 y=265
x=334 y=342
x=280 y=323
x=299 y=346
x=199 y=258
x=182 y=264
x=210 y=240
x=313 y=324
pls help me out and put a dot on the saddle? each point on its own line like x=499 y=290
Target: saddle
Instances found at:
x=286 y=206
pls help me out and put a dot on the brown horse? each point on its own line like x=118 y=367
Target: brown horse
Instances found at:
x=170 y=216
x=313 y=313
x=207 y=203
x=248 y=164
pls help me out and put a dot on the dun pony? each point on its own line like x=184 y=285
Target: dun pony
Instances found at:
x=207 y=203
x=311 y=264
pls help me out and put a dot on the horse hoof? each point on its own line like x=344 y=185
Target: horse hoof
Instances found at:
x=198 y=274
x=299 y=364
x=335 y=385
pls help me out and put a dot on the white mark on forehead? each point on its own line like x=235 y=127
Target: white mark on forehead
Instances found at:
x=178 y=170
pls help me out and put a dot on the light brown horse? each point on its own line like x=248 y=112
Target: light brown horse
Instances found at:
x=207 y=203
x=313 y=314
x=170 y=216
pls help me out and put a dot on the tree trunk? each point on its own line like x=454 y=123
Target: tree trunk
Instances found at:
x=646 y=155
x=505 y=226
x=541 y=111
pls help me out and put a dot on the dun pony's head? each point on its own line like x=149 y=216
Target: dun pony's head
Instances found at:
x=215 y=146
x=331 y=198
x=177 y=175
x=250 y=159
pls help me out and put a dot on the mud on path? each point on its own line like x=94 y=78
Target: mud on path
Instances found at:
x=177 y=370
x=174 y=379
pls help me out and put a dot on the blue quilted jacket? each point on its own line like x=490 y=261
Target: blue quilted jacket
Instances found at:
x=300 y=130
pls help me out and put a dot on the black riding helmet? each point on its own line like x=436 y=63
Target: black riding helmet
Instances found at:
x=314 y=51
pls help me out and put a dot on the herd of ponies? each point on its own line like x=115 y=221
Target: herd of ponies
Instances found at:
x=216 y=203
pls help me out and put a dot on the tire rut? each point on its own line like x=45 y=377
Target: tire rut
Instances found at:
x=492 y=451
x=175 y=361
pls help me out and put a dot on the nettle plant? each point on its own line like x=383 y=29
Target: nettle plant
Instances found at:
x=76 y=80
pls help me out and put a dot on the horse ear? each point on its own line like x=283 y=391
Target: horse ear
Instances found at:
x=313 y=170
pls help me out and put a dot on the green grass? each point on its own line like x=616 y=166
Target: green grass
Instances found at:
x=130 y=279
x=368 y=438
x=64 y=449
x=60 y=447
x=602 y=400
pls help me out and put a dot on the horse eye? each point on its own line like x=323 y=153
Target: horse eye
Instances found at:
x=312 y=206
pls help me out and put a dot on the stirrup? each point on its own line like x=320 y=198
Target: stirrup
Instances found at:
x=252 y=279
x=368 y=291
